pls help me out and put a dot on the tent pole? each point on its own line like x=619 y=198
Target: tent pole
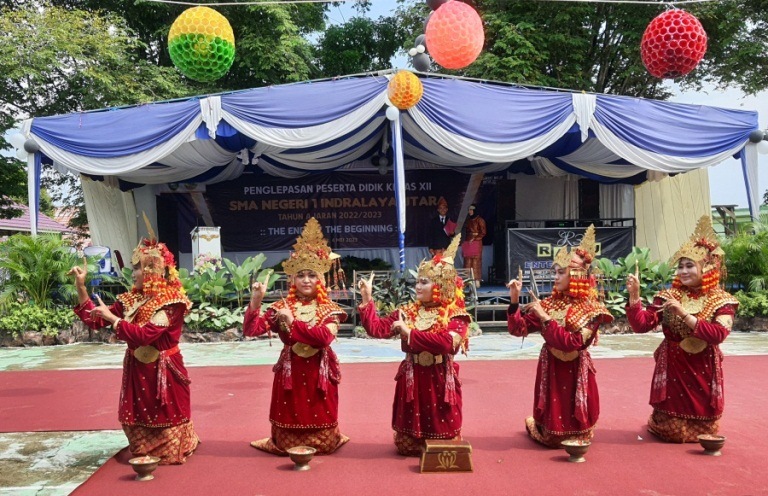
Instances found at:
x=399 y=169
x=749 y=169
x=34 y=164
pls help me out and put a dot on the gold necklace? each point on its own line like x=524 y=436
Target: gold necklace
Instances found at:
x=425 y=319
x=306 y=312
x=692 y=305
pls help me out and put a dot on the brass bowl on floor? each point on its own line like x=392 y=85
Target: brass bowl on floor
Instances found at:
x=712 y=443
x=144 y=466
x=301 y=455
x=576 y=449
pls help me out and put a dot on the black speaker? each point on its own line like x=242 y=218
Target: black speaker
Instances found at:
x=558 y=223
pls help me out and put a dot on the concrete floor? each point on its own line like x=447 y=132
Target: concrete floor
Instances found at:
x=54 y=463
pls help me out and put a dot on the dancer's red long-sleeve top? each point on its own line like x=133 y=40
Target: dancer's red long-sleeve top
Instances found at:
x=566 y=399
x=428 y=397
x=688 y=379
x=305 y=391
x=154 y=394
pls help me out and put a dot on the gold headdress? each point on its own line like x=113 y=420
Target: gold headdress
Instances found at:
x=311 y=251
x=442 y=271
x=577 y=261
x=161 y=279
x=586 y=251
x=151 y=256
x=702 y=247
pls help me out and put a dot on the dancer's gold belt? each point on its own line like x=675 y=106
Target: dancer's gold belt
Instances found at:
x=563 y=356
x=425 y=358
x=149 y=354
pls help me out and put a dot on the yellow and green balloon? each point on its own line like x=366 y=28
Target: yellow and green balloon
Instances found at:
x=202 y=44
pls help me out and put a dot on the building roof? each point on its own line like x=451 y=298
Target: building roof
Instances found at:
x=21 y=224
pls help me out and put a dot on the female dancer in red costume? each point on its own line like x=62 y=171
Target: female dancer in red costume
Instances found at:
x=305 y=391
x=154 y=401
x=696 y=315
x=432 y=330
x=566 y=404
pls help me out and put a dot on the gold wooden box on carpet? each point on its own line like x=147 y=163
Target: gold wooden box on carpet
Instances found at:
x=443 y=455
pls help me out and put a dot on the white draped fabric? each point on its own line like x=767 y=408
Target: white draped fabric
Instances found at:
x=111 y=217
x=292 y=130
x=617 y=201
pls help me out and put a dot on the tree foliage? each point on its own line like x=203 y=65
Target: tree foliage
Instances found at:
x=13 y=185
x=359 y=45
x=61 y=56
x=56 y=61
x=596 y=46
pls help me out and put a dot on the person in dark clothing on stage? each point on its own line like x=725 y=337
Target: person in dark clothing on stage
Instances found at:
x=441 y=228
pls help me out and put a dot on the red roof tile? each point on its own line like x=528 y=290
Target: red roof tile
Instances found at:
x=21 y=224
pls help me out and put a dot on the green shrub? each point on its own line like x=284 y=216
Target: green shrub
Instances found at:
x=746 y=258
x=395 y=291
x=18 y=318
x=36 y=269
x=227 y=286
x=752 y=304
x=207 y=317
x=654 y=276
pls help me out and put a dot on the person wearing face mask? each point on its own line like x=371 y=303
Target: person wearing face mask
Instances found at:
x=432 y=329
x=305 y=390
x=566 y=404
x=154 y=406
x=696 y=315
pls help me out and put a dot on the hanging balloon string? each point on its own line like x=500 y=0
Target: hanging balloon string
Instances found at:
x=229 y=4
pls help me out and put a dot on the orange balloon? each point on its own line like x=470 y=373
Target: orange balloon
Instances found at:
x=405 y=90
x=455 y=35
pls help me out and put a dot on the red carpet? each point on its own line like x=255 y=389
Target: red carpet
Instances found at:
x=65 y=400
x=230 y=406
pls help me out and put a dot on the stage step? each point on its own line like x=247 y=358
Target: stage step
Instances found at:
x=493 y=314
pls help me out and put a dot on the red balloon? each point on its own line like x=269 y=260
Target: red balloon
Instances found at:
x=673 y=44
x=455 y=35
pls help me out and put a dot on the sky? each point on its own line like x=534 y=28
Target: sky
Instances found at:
x=726 y=179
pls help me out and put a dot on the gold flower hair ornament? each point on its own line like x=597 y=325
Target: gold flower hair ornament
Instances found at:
x=702 y=247
x=441 y=269
x=311 y=251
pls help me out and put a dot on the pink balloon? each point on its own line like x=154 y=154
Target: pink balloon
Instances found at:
x=455 y=35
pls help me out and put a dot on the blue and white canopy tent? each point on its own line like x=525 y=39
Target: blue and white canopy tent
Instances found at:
x=475 y=127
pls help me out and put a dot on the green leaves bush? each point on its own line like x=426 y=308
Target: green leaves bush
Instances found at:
x=392 y=292
x=746 y=258
x=36 y=270
x=19 y=318
x=752 y=304
x=654 y=276
x=228 y=286
x=206 y=317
